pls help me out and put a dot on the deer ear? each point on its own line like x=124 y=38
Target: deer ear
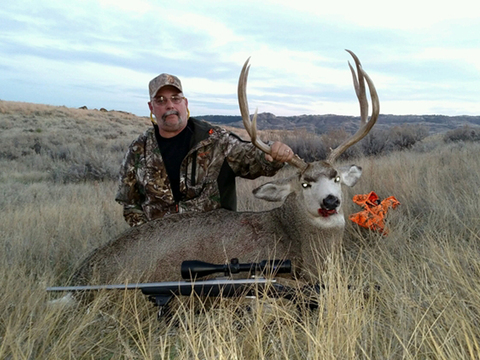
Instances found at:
x=350 y=174
x=273 y=191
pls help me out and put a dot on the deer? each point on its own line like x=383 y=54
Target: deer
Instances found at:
x=305 y=228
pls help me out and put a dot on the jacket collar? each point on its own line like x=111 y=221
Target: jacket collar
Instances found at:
x=201 y=130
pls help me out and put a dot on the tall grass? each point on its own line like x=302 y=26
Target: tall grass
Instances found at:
x=413 y=294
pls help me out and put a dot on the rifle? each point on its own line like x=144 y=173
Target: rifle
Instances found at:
x=161 y=293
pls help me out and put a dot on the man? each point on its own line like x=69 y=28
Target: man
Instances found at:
x=182 y=164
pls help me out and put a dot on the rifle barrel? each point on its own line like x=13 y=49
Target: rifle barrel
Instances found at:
x=168 y=285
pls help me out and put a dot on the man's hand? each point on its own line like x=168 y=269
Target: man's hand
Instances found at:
x=280 y=152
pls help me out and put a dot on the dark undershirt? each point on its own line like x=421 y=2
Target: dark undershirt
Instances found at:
x=173 y=152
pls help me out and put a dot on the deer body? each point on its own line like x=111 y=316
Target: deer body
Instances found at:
x=305 y=228
x=298 y=230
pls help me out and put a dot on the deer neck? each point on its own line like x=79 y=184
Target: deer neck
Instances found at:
x=293 y=219
x=309 y=243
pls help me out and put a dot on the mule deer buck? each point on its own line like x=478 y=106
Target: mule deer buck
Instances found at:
x=305 y=228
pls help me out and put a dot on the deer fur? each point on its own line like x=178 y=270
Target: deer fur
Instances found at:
x=295 y=230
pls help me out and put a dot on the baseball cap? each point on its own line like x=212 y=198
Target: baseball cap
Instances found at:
x=161 y=81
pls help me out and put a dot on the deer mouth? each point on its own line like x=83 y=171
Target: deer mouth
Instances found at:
x=326 y=213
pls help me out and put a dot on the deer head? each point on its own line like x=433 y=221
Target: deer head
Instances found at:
x=317 y=185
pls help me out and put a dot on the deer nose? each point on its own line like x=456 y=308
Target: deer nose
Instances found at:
x=331 y=202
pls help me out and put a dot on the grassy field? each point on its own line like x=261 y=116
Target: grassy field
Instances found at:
x=55 y=209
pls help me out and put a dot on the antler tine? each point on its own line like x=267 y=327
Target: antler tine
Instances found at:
x=365 y=124
x=251 y=125
x=359 y=86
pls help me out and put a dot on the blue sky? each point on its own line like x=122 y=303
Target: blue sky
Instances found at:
x=423 y=56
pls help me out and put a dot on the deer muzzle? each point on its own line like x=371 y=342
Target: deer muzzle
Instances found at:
x=329 y=206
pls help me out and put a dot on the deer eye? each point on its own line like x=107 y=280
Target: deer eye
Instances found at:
x=306 y=185
x=337 y=179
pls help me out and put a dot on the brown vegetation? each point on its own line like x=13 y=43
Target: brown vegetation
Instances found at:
x=427 y=268
x=322 y=124
x=464 y=133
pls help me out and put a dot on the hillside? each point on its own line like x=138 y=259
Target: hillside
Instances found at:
x=90 y=143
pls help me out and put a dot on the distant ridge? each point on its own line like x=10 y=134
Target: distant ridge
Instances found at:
x=318 y=124
x=325 y=123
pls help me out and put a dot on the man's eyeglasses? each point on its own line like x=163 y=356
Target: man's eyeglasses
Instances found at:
x=162 y=100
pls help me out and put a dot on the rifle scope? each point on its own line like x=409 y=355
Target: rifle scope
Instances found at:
x=192 y=269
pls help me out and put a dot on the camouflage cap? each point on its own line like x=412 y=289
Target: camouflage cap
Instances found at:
x=161 y=81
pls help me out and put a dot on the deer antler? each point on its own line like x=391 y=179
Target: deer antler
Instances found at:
x=251 y=125
x=365 y=124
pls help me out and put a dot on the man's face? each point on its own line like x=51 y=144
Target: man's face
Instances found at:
x=171 y=118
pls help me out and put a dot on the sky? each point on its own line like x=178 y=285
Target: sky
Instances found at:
x=423 y=56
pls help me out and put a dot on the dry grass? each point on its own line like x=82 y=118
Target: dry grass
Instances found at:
x=427 y=268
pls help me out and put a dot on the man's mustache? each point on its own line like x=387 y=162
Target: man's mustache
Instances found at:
x=170 y=112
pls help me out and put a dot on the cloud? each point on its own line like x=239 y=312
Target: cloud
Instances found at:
x=422 y=56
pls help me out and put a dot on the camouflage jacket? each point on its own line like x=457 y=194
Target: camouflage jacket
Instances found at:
x=207 y=174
